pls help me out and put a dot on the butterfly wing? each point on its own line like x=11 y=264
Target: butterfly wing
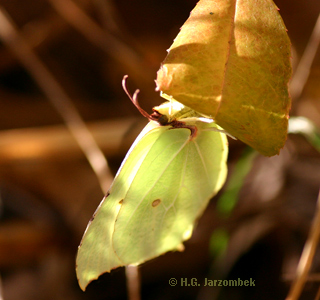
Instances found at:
x=164 y=184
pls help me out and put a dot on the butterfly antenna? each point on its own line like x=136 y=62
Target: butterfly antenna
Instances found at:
x=134 y=98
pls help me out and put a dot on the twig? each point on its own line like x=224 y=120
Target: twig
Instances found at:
x=56 y=143
x=315 y=277
x=302 y=72
x=1 y=289
x=133 y=282
x=108 y=15
x=63 y=104
x=58 y=98
x=114 y=47
x=318 y=295
x=306 y=257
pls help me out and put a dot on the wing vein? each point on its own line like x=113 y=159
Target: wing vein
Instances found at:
x=183 y=172
x=156 y=181
x=202 y=161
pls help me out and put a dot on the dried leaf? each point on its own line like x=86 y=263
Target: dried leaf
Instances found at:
x=231 y=61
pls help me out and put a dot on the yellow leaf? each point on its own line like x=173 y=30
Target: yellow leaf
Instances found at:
x=231 y=61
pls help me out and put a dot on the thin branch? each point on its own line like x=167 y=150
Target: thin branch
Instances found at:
x=1 y=289
x=108 y=15
x=114 y=47
x=58 y=98
x=315 y=277
x=133 y=282
x=56 y=143
x=63 y=104
x=302 y=72
x=318 y=295
x=306 y=257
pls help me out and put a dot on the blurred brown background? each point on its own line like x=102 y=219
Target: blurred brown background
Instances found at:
x=48 y=191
